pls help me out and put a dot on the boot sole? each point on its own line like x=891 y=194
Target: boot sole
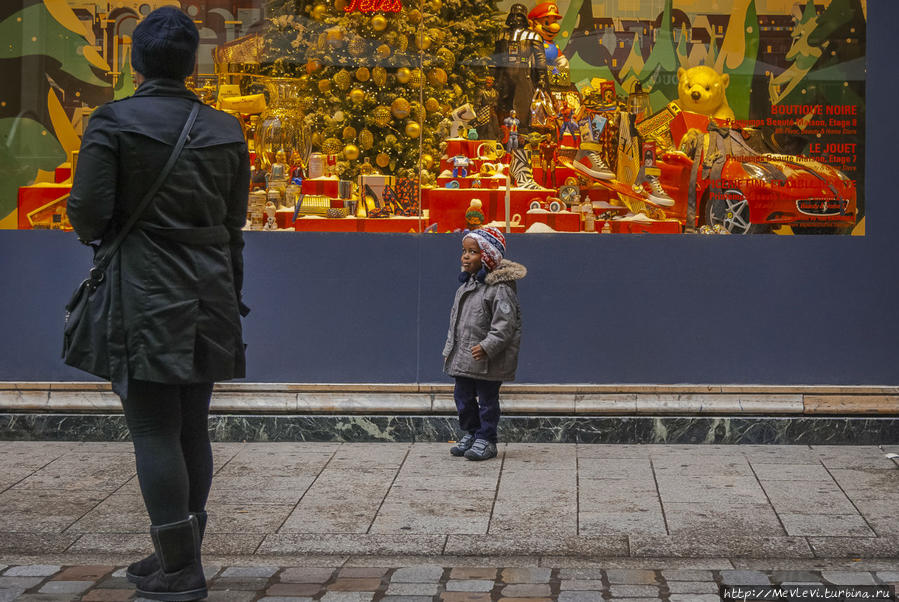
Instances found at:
x=135 y=579
x=185 y=596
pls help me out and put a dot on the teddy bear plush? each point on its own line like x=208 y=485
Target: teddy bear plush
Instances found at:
x=702 y=90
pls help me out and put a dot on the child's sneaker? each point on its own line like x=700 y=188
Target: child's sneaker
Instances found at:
x=481 y=449
x=462 y=446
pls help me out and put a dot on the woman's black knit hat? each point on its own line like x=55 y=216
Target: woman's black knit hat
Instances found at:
x=164 y=44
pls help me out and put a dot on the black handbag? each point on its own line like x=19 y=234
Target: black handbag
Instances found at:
x=87 y=326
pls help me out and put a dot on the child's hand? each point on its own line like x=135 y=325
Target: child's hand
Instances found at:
x=478 y=353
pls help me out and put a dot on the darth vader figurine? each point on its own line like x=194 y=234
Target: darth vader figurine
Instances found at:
x=520 y=67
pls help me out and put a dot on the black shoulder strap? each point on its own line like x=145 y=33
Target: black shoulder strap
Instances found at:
x=151 y=192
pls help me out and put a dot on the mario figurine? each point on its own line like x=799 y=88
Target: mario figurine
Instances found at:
x=544 y=19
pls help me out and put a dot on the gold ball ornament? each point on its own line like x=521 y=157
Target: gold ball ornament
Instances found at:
x=357 y=96
x=423 y=41
x=437 y=77
x=381 y=115
x=379 y=23
x=351 y=152
x=432 y=105
x=319 y=12
x=417 y=79
x=427 y=161
x=358 y=46
x=331 y=146
x=334 y=36
x=342 y=79
x=316 y=139
x=382 y=160
x=379 y=76
x=413 y=130
x=340 y=5
x=414 y=16
x=400 y=108
x=383 y=51
x=436 y=5
x=324 y=85
x=390 y=139
x=403 y=75
x=366 y=139
x=313 y=66
x=363 y=74
x=349 y=132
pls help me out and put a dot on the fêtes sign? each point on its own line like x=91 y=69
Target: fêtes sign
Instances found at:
x=374 y=6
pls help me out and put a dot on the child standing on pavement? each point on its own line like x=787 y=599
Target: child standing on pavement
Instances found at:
x=481 y=350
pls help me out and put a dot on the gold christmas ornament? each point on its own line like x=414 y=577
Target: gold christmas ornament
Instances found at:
x=381 y=115
x=316 y=139
x=383 y=51
x=413 y=130
x=331 y=146
x=427 y=161
x=382 y=160
x=417 y=112
x=378 y=23
x=366 y=139
x=390 y=139
x=340 y=5
x=400 y=108
x=437 y=77
x=414 y=16
x=324 y=85
x=357 y=96
x=334 y=36
x=349 y=132
x=379 y=76
x=351 y=152
x=432 y=105
x=417 y=78
x=402 y=42
x=342 y=79
x=403 y=75
x=435 y=5
x=423 y=41
x=363 y=74
x=313 y=66
x=457 y=90
x=358 y=47
x=319 y=12
x=447 y=56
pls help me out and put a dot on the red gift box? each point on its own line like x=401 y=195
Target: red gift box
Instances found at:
x=560 y=221
x=320 y=186
x=38 y=196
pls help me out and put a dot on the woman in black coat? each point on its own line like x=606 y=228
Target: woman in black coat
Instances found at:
x=176 y=283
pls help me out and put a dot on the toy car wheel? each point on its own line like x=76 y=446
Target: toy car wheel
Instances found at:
x=535 y=204
x=731 y=209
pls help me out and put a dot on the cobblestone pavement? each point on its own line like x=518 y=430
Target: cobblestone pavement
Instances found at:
x=433 y=582
x=276 y=499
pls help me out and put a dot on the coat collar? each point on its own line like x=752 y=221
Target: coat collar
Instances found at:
x=165 y=87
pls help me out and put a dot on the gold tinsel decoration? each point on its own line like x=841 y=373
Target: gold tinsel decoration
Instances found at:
x=324 y=85
x=432 y=105
x=413 y=130
x=379 y=76
x=332 y=146
x=351 y=152
x=381 y=115
x=349 y=132
x=342 y=79
x=382 y=160
x=363 y=74
x=436 y=35
x=400 y=108
x=366 y=139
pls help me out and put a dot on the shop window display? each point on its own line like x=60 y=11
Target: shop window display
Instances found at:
x=438 y=115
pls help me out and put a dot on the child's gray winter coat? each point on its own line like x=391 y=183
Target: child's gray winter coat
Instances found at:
x=486 y=314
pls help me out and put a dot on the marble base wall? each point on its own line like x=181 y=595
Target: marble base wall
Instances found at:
x=789 y=430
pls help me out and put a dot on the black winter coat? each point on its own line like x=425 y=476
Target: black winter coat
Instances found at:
x=177 y=278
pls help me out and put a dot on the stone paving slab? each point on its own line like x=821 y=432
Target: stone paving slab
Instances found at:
x=443 y=582
x=565 y=501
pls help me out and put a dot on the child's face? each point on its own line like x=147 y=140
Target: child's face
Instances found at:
x=471 y=256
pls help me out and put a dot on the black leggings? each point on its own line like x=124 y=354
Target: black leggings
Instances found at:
x=168 y=425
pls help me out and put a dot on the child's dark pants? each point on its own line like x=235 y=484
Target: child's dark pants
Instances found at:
x=477 y=402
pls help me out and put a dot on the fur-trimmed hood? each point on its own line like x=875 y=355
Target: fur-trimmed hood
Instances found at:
x=506 y=271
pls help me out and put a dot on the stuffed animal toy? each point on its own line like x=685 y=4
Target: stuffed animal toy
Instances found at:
x=702 y=90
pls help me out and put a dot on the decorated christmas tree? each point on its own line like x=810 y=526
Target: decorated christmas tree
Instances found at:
x=375 y=78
